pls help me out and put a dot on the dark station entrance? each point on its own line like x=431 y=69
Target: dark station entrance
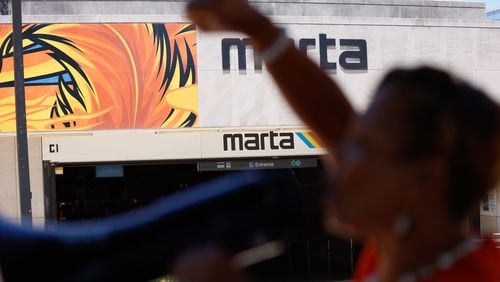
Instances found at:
x=89 y=191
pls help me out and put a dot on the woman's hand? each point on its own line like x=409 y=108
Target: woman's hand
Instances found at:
x=208 y=265
x=312 y=94
x=233 y=15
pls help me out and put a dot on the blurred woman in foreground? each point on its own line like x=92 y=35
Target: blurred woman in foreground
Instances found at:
x=406 y=173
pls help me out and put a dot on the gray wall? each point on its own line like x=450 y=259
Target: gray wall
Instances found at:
x=340 y=8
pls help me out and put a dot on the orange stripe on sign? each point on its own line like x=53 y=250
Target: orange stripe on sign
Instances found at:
x=316 y=139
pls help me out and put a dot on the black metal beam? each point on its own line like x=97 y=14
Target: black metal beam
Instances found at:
x=21 y=132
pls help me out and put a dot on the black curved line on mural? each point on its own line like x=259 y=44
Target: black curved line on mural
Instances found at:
x=162 y=41
x=11 y=54
x=190 y=120
x=76 y=91
x=190 y=67
x=185 y=73
x=62 y=58
x=164 y=50
x=27 y=31
x=54 y=112
x=2 y=49
x=62 y=101
x=170 y=113
x=28 y=81
x=188 y=28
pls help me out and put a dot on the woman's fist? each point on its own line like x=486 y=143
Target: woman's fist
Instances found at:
x=233 y=15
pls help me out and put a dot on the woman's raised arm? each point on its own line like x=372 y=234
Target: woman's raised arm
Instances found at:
x=311 y=93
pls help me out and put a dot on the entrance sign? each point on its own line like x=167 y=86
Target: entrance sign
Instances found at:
x=230 y=165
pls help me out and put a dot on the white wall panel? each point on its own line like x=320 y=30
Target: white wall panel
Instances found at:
x=360 y=87
x=36 y=178
x=471 y=52
x=216 y=95
x=459 y=48
x=488 y=49
x=282 y=114
x=468 y=75
x=253 y=101
x=9 y=196
x=489 y=81
x=395 y=46
x=428 y=46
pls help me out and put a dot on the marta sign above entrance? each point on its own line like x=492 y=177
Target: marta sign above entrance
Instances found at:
x=260 y=143
x=85 y=147
x=353 y=52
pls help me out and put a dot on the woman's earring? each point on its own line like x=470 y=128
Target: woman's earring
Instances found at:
x=403 y=226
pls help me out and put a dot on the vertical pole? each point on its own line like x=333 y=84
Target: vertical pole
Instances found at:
x=21 y=132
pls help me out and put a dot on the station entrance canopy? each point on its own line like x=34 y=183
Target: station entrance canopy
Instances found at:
x=194 y=144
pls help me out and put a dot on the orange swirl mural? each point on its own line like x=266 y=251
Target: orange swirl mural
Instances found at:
x=102 y=76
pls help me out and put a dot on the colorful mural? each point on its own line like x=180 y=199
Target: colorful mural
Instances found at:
x=102 y=76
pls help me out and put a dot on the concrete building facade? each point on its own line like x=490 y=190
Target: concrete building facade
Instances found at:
x=383 y=34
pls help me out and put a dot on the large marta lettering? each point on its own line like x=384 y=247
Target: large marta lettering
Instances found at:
x=355 y=58
x=256 y=141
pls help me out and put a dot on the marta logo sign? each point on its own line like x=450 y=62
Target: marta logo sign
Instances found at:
x=258 y=141
x=353 y=55
x=270 y=141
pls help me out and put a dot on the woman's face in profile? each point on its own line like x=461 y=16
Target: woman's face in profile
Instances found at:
x=370 y=183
